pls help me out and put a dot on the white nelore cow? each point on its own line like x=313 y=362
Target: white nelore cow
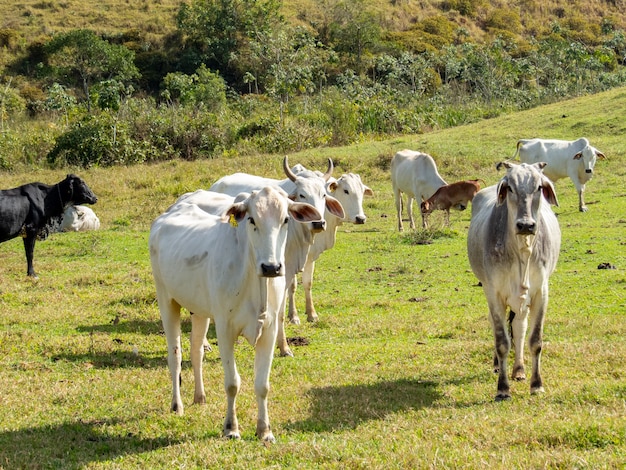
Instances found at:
x=232 y=273
x=79 y=219
x=413 y=173
x=307 y=187
x=513 y=246
x=349 y=191
x=575 y=158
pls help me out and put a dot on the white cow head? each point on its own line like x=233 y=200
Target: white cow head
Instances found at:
x=311 y=188
x=265 y=214
x=349 y=191
x=588 y=156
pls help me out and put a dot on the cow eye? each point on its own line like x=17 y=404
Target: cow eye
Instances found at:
x=286 y=220
x=251 y=220
x=346 y=191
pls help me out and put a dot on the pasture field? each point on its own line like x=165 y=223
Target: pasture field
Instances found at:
x=397 y=372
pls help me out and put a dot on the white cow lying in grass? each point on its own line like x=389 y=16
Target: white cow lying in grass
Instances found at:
x=79 y=219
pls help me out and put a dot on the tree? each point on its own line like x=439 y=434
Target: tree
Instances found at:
x=203 y=89
x=218 y=32
x=80 y=55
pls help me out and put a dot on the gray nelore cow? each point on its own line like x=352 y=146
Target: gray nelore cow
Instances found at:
x=513 y=246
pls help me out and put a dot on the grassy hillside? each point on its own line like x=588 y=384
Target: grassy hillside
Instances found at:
x=397 y=372
x=34 y=18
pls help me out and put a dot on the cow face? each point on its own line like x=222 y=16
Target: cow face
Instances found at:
x=522 y=189
x=588 y=156
x=78 y=191
x=349 y=191
x=265 y=214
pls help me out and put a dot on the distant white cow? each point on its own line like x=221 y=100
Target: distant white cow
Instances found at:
x=413 y=173
x=349 y=191
x=232 y=273
x=79 y=219
x=575 y=159
x=513 y=246
x=307 y=187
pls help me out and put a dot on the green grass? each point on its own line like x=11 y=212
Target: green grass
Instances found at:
x=397 y=372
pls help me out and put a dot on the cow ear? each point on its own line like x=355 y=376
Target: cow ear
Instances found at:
x=303 y=212
x=503 y=187
x=578 y=156
x=368 y=191
x=332 y=187
x=238 y=211
x=334 y=207
x=547 y=188
x=601 y=156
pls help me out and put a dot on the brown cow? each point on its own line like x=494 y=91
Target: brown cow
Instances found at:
x=457 y=195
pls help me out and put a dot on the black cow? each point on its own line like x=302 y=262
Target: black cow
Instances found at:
x=27 y=210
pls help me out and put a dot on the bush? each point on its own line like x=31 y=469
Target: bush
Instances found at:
x=96 y=140
x=504 y=19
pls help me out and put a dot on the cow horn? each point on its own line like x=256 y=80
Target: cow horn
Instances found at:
x=290 y=174
x=329 y=171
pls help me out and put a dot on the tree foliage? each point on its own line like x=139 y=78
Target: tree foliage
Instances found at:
x=81 y=55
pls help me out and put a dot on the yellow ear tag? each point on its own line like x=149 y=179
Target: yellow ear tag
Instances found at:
x=232 y=220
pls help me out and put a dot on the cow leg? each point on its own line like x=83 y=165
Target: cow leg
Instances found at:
x=264 y=349
x=535 y=341
x=282 y=337
x=199 y=328
x=29 y=248
x=291 y=292
x=409 y=210
x=447 y=217
x=398 y=197
x=519 y=324
x=307 y=282
x=170 y=317
x=581 y=199
x=232 y=380
x=502 y=347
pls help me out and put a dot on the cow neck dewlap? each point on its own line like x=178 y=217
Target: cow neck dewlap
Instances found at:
x=262 y=314
x=525 y=244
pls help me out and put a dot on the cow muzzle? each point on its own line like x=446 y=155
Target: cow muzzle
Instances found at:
x=318 y=226
x=525 y=227
x=589 y=170
x=360 y=220
x=272 y=270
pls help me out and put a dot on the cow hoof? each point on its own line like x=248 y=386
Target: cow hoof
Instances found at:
x=177 y=408
x=312 y=318
x=268 y=438
x=232 y=435
x=583 y=209
x=199 y=400
x=503 y=396
x=286 y=353
x=294 y=320
x=537 y=391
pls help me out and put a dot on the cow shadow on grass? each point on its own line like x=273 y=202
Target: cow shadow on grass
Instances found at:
x=348 y=406
x=72 y=445
x=110 y=348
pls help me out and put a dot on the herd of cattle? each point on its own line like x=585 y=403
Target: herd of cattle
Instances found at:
x=231 y=254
